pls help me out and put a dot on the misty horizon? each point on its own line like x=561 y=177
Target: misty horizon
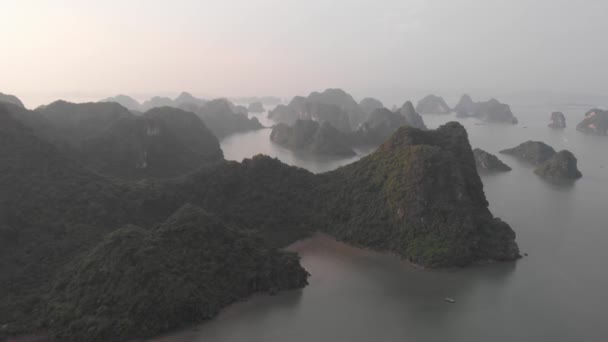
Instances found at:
x=393 y=50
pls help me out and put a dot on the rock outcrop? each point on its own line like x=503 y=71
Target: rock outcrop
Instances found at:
x=125 y=101
x=465 y=106
x=140 y=283
x=432 y=104
x=344 y=101
x=535 y=152
x=333 y=105
x=301 y=108
x=427 y=199
x=595 y=122
x=222 y=119
x=488 y=111
x=256 y=107
x=412 y=118
x=489 y=162
x=558 y=120
x=380 y=125
x=11 y=99
x=313 y=137
x=562 y=166
x=369 y=105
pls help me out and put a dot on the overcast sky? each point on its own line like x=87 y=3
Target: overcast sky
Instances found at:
x=382 y=48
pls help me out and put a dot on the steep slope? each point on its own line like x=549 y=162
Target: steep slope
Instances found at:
x=489 y=162
x=419 y=195
x=411 y=116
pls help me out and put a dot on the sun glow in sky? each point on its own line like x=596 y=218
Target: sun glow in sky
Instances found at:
x=82 y=49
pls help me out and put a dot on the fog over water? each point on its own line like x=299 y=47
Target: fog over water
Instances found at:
x=557 y=293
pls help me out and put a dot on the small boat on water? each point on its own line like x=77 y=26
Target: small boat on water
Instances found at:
x=449 y=300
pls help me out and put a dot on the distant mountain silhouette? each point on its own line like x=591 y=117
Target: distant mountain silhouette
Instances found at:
x=125 y=101
x=11 y=99
x=333 y=105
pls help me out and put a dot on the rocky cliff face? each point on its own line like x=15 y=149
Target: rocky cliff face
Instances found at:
x=432 y=104
x=412 y=118
x=140 y=283
x=489 y=162
x=535 y=152
x=465 y=106
x=558 y=120
x=428 y=201
x=562 y=166
x=310 y=136
x=595 y=122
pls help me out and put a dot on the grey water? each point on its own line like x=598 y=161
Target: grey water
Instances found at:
x=559 y=292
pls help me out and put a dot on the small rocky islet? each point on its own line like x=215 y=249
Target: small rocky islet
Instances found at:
x=492 y=111
x=549 y=164
x=558 y=120
x=595 y=122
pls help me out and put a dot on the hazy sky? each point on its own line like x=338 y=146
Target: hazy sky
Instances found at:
x=383 y=48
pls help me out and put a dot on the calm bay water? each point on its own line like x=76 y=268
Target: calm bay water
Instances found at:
x=557 y=293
